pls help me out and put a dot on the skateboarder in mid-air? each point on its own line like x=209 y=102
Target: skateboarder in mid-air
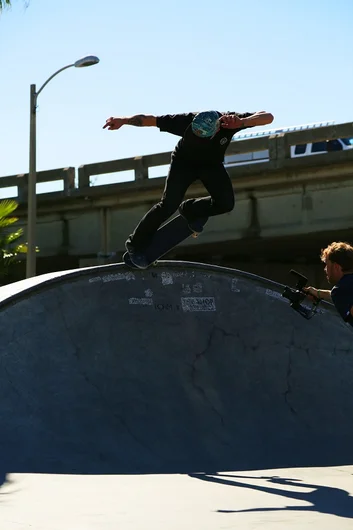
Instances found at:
x=198 y=155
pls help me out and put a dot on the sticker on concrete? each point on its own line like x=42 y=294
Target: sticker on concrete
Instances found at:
x=113 y=277
x=197 y=288
x=185 y=288
x=140 y=301
x=119 y=276
x=167 y=278
x=274 y=294
x=198 y=304
x=188 y=289
x=94 y=280
x=234 y=287
x=166 y=307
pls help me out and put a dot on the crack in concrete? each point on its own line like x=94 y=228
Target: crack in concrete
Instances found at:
x=307 y=351
x=341 y=351
x=17 y=392
x=15 y=338
x=198 y=387
x=289 y=386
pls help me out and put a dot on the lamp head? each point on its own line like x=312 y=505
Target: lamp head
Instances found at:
x=89 y=60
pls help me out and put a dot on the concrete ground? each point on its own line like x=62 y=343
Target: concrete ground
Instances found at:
x=300 y=498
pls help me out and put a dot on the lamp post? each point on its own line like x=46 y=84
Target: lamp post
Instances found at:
x=32 y=176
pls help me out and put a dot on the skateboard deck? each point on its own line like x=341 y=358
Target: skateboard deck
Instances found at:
x=165 y=239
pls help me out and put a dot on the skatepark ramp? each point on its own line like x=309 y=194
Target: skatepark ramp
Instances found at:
x=180 y=368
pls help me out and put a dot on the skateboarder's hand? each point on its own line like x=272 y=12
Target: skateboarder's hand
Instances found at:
x=113 y=124
x=231 y=121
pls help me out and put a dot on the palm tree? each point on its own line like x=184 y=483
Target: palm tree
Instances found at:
x=9 y=246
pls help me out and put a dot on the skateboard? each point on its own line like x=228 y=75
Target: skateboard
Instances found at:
x=165 y=239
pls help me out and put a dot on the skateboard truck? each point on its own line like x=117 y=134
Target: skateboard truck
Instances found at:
x=297 y=295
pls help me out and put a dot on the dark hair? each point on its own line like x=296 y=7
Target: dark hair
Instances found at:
x=339 y=252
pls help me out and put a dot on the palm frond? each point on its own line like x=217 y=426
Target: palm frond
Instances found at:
x=5 y=222
x=9 y=239
x=7 y=206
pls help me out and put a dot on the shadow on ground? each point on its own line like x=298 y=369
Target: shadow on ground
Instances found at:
x=322 y=499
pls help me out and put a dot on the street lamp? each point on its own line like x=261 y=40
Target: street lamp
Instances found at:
x=32 y=177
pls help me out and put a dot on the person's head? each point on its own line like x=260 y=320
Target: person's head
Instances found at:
x=206 y=124
x=338 y=259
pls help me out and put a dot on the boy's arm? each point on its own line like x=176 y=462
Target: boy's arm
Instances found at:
x=321 y=294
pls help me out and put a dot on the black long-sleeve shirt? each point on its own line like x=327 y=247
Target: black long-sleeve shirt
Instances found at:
x=193 y=149
x=342 y=297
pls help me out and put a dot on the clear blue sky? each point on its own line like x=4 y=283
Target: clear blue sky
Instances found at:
x=165 y=56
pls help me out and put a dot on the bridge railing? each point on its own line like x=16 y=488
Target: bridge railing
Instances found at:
x=278 y=146
x=65 y=174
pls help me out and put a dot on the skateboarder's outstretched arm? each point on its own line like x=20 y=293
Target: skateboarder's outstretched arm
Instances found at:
x=238 y=121
x=139 y=120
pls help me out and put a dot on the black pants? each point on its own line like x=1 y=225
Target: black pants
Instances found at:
x=221 y=200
